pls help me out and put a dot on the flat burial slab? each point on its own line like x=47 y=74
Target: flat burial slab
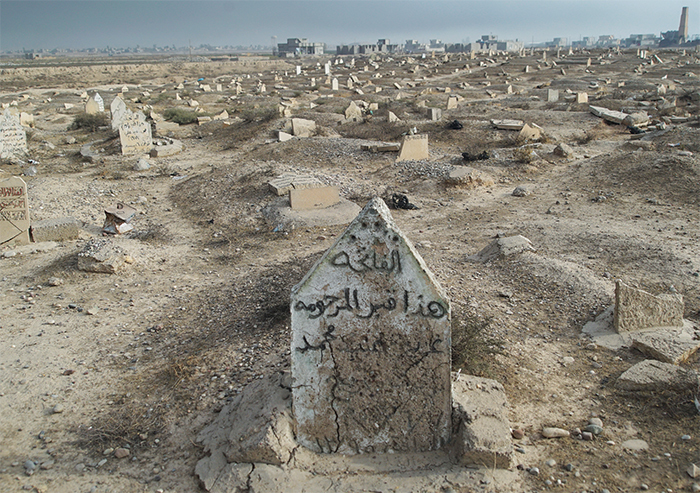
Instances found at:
x=371 y=345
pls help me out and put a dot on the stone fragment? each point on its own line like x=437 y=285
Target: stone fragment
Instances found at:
x=552 y=95
x=668 y=345
x=14 y=212
x=118 y=110
x=608 y=115
x=393 y=118
x=171 y=148
x=654 y=376
x=464 y=176
x=521 y=191
x=313 y=198
x=142 y=165
x=101 y=256
x=639 y=119
x=303 y=128
x=414 y=148
x=117 y=218
x=370 y=345
x=635 y=445
x=581 y=97
x=283 y=136
x=551 y=432
x=508 y=124
x=503 y=247
x=121 y=453
x=434 y=114
x=384 y=147
x=636 y=309
x=693 y=471
x=59 y=229
x=480 y=429
x=563 y=150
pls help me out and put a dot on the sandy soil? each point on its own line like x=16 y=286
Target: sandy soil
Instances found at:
x=145 y=358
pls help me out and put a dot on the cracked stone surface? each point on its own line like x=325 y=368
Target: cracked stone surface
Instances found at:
x=371 y=345
x=668 y=344
x=650 y=375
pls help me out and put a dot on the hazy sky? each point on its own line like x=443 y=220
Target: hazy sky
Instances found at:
x=34 y=24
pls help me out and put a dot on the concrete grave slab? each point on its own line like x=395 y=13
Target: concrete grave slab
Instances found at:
x=101 y=256
x=668 y=344
x=636 y=309
x=608 y=115
x=313 y=198
x=414 y=147
x=286 y=182
x=59 y=229
x=14 y=212
x=508 y=124
x=481 y=431
x=656 y=376
x=383 y=147
x=371 y=345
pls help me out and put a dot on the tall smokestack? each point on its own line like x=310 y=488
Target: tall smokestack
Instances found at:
x=683 y=27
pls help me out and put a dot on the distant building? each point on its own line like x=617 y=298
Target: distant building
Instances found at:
x=382 y=46
x=642 y=40
x=299 y=47
x=674 y=38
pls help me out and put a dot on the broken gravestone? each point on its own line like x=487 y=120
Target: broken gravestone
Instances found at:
x=13 y=138
x=14 y=212
x=118 y=110
x=371 y=345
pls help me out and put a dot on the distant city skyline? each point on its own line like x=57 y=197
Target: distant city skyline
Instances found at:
x=70 y=24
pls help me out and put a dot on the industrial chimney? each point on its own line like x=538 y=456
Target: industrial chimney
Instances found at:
x=683 y=27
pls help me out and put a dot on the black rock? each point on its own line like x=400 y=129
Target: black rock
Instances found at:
x=456 y=125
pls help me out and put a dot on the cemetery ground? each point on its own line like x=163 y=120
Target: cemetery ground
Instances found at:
x=108 y=378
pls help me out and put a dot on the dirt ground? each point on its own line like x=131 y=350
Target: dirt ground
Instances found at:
x=146 y=357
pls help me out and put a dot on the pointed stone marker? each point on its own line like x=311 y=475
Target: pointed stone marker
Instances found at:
x=14 y=212
x=371 y=345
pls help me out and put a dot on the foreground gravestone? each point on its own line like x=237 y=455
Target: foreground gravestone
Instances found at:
x=13 y=138
x=413 y=147
x=14 y=212
x=135 y=134
x=371 y=345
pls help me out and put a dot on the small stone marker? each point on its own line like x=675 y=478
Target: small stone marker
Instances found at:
x=59 y=229
x=414 y=147
x=14 y=212
x=434 y=114
x=353 y=112
x=286 y=182
x=530 y=132
x=13 y=138
x=91 y=106
x=393 y=118
x=508 y=124
x=135 y=134
x=313 y=198
x=451 y=102
x=552 y=95
x=118 y=110
x=303 y=128
x=581 y=97
x=636 y=309
x=371 y=345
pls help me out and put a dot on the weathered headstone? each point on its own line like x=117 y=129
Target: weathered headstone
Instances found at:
x=91 y=106
x=14 y=212
x=353 y=112
x=135 y=134
x=552 y=95
x=581 y=97
x=118 y=110
x=371 y=345
x=414 y=147
x=13 y=138
x=100 y=102
x=636 y=309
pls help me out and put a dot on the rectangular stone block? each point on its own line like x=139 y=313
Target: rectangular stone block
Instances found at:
x=59 y=229
x=552 y=95
x=371 y=345
x=313 y=198
x=13 y=137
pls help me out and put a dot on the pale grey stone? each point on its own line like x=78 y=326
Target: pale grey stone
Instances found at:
x=481 y=431
x=503 y=247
